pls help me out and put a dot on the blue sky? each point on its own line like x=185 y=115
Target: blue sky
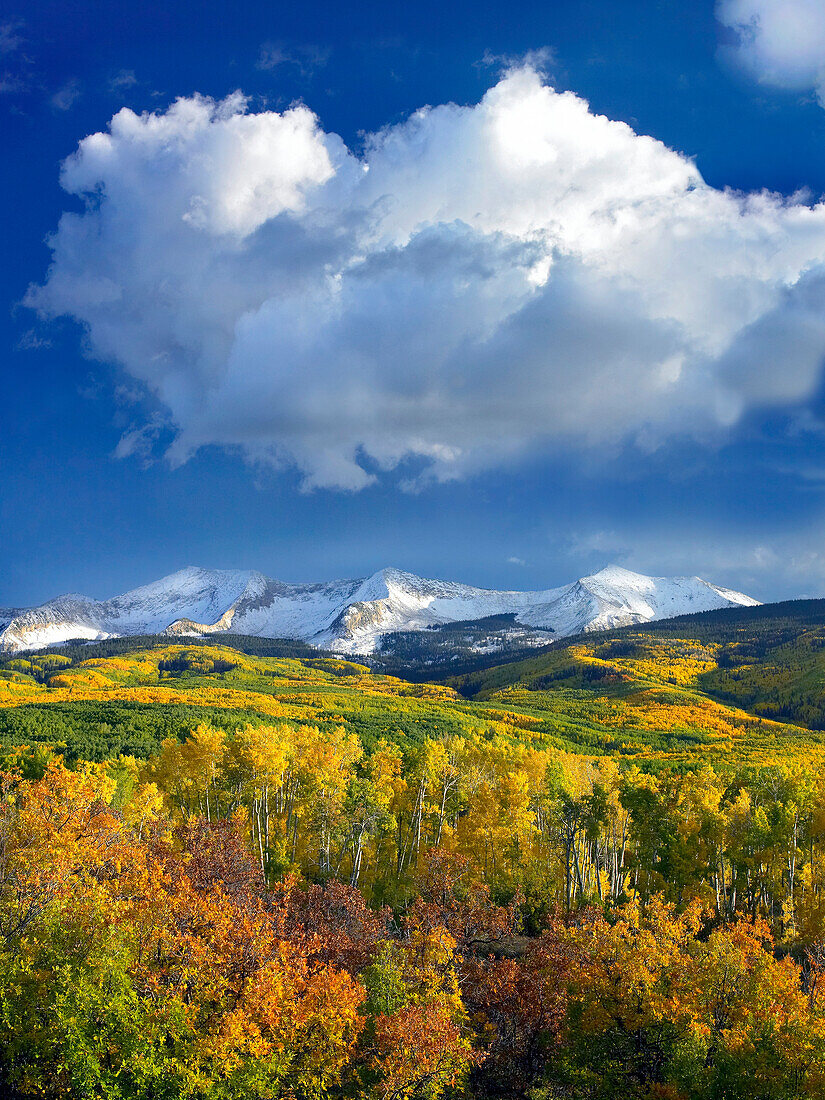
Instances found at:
x=525 y=343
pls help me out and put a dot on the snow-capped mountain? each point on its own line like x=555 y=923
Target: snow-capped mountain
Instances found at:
x=353 y=616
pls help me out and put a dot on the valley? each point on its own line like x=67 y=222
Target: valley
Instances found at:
x=532 y=878
x=731 y=685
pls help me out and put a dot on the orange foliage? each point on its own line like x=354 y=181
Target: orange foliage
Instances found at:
x=419 y=1051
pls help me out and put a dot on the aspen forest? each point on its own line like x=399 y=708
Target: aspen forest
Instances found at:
x=586 y=875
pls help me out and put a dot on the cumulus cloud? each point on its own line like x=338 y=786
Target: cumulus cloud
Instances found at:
x=779 y=42
x=477 y=281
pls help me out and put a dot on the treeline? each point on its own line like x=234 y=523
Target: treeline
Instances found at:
x=74 y=652
x=144 y=956
x=454 y=649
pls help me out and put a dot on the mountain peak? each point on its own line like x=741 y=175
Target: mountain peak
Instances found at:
x=617 y=574
x=355 y=615
x=393 y=575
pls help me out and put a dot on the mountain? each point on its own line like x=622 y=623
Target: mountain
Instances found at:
x=359 y=616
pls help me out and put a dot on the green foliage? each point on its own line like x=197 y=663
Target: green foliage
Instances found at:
x=384 y=981
x=74 y=652
x=92 y=730
x=200 y=661
x=638 y=694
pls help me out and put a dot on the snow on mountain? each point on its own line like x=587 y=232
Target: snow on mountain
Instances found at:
x=352 y=616
x=616 y=597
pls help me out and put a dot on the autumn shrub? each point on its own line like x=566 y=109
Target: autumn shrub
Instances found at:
x=134 y=970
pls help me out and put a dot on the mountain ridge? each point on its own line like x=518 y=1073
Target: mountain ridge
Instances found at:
x=354 y=615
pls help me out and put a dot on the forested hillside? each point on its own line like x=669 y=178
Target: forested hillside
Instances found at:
x=769 y=660
x=598 y=873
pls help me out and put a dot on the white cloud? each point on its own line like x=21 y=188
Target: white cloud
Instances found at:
x=541 y=59
x=66 y=97
x=139 y=442
x=480 y=281
x=15 y=77
x=306 y=59
x=779 y=42
x=10 y=38
x=122 y=80
x=785 y=565
x=31 y=340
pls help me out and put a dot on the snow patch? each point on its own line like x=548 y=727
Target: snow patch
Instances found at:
x=352 y=616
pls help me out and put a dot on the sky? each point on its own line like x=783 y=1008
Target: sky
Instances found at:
x=498 y=293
